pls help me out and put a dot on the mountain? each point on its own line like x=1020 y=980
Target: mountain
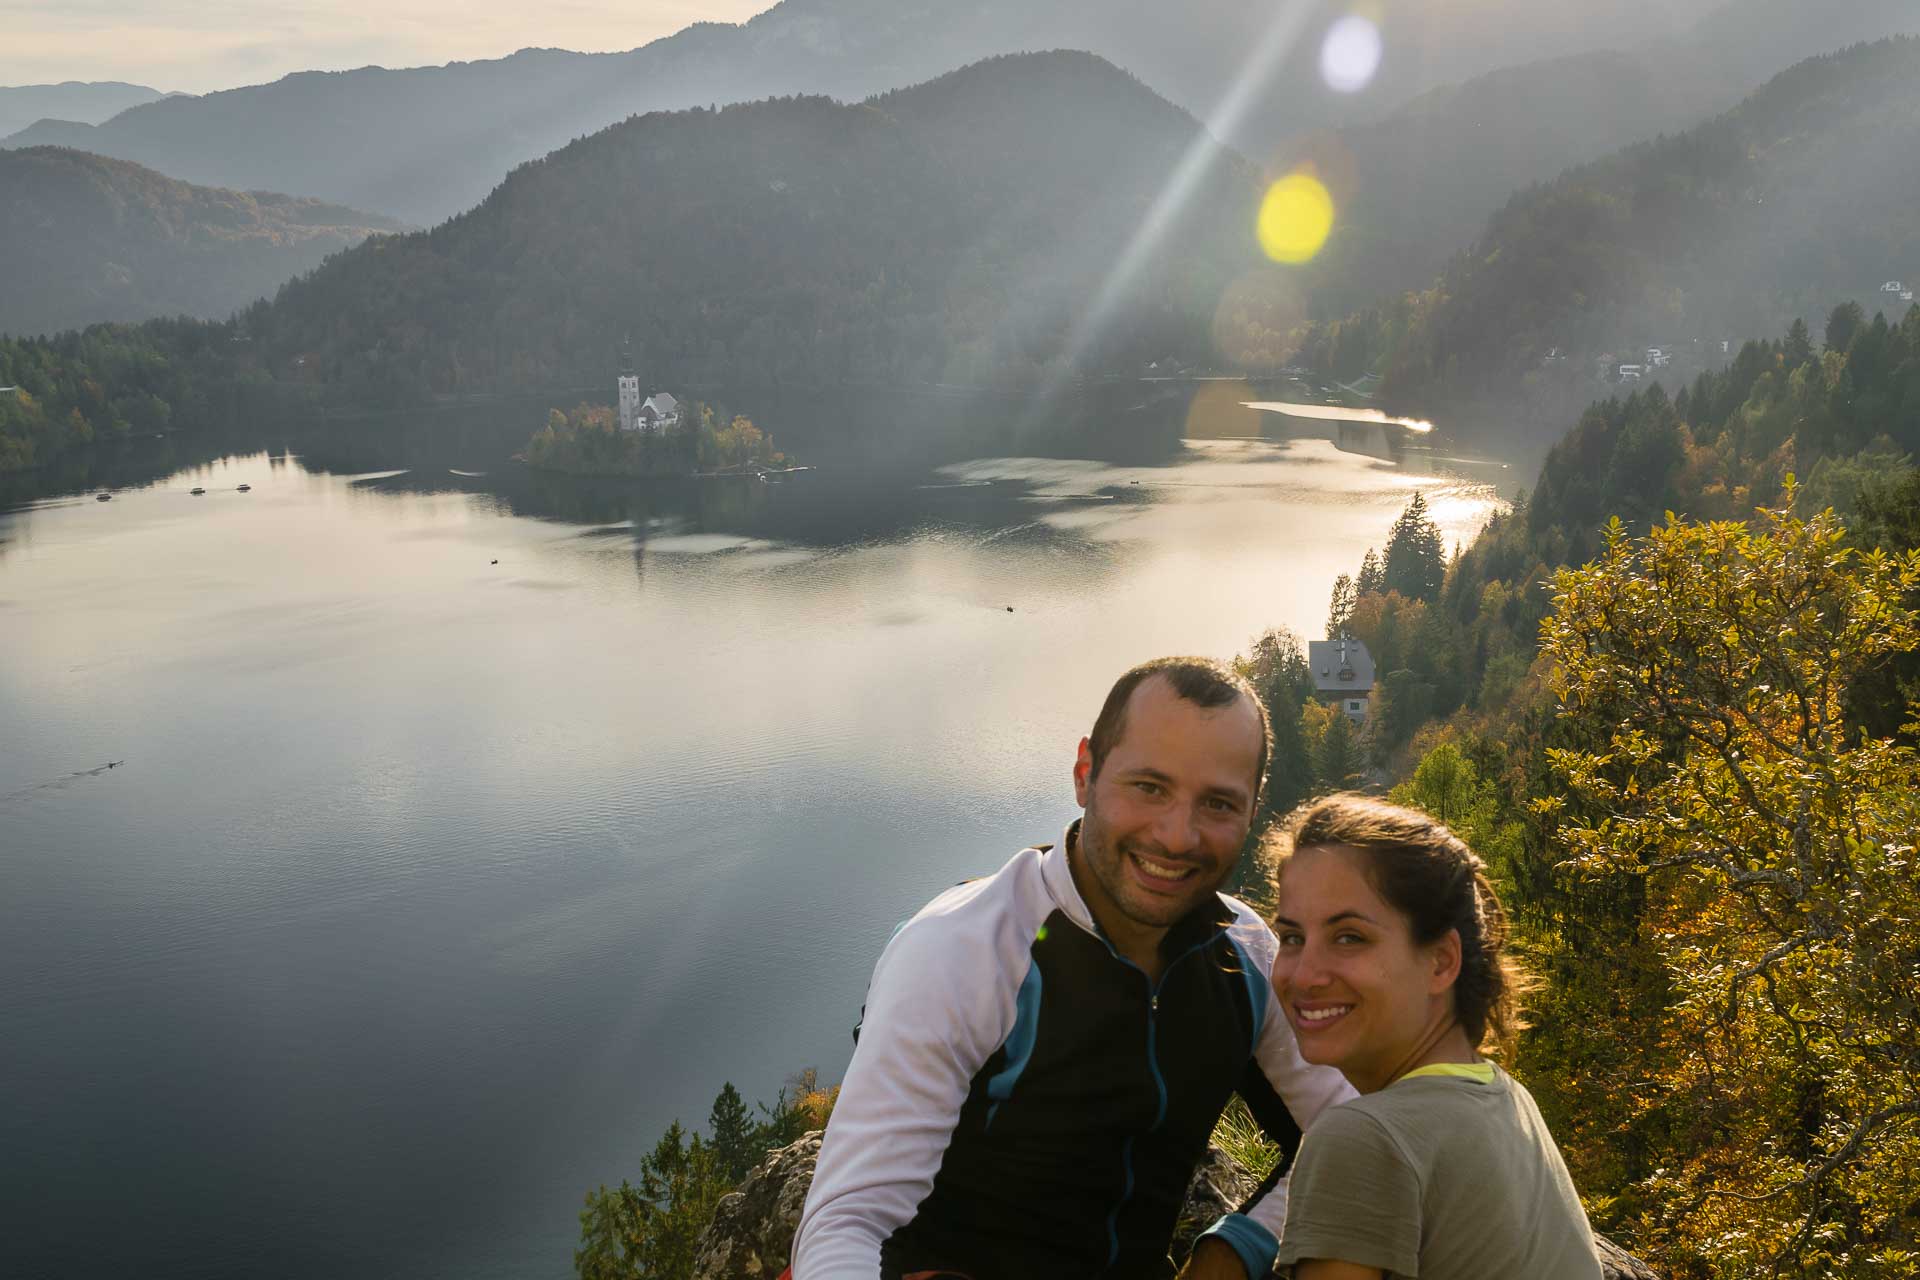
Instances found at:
x=1803 y=193
x=1419 y=183
x=956 y=232
x=424 y=143
x=74 y=100
x=85 y=239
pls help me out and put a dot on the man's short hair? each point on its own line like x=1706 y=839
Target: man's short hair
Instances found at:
x=1201 y=681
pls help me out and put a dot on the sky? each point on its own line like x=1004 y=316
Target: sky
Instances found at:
x=196 y=46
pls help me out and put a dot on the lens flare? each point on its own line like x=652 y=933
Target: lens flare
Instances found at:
x=1295 y=218
x=1350 y=54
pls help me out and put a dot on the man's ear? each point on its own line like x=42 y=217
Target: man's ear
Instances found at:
x=1446 y=962
x=1083 y=772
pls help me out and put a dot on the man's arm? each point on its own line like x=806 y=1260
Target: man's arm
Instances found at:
x=937 y=1010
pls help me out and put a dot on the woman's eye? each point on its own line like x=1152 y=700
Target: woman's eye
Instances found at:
x=1290 y=940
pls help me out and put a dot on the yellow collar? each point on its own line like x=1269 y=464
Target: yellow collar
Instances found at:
x=1478 y=1072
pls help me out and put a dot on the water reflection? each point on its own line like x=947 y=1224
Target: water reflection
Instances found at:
x=471 y=827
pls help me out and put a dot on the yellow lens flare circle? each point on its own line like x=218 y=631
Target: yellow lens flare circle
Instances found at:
x=1296 y=217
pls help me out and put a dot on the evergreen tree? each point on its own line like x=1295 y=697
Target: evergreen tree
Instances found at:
x=1371 y=578
x=1416 y=560
x=1341 y=607
x=1842 y=324
x=730 y=1132
x=1799 y=348
x=1338 y=761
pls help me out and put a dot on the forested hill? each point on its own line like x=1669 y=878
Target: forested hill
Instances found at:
x=952 y=233
x=1804 y=191
x=423 y=143
x=85 y=239
x=1421 y=182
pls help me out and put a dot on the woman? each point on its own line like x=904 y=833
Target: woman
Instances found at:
x=1390 y=970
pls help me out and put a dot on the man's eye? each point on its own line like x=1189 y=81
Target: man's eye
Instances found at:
x=1221 y=805
x=1148 y=788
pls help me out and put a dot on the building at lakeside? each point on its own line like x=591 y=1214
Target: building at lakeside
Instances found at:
x=657 y=412
x=1342 y=674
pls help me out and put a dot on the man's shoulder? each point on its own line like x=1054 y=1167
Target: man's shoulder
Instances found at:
x=985 y=911
x=1248 y=929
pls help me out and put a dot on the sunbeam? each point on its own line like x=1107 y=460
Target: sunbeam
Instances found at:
x=1281 y=37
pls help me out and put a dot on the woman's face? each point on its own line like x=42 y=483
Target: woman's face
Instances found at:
x=1361 y=995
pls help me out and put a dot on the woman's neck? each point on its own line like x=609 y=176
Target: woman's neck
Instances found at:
x=1444 y=1041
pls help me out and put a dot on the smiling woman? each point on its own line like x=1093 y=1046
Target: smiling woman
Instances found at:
x=1390 y=969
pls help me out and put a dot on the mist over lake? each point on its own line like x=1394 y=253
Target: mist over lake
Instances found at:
x=426 y=890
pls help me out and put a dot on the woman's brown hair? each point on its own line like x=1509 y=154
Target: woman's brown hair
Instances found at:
x=1429 y=875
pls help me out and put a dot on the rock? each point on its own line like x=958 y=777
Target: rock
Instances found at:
x=1617 y=1264
x=1220 y=1185
x=751 y=1235
x=752 y=1229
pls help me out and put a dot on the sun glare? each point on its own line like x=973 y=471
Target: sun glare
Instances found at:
x=1351 y=54
x=1295 y=218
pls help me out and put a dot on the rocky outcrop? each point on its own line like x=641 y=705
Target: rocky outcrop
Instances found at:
x=751 y=1235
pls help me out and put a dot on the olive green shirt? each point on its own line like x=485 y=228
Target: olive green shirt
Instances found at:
x=1447 y=1174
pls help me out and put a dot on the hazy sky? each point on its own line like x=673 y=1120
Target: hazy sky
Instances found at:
x=198 y=45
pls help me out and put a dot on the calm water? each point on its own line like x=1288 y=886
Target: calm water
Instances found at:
x=426 y=890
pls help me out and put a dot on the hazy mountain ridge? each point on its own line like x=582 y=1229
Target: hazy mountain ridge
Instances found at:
x=85 y=239
x=1799 y=195
x=424 y=143
x=72 y=100
x=1420 y=183
x=954 y=232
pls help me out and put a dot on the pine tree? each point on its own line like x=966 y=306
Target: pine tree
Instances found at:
x=1416 y=560
x=1799 y=348
x=1341 y=607
x=730 y=1131
x=1371 y=578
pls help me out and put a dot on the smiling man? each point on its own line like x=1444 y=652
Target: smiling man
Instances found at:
x=1044 y=1053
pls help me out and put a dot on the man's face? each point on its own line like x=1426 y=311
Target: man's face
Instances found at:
x=1170 y=809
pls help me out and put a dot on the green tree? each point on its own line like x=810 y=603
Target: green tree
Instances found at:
x=649 y=1232
x=1416 y=559
x=1773 y=849
x=1340 y=608
x=1339 y=762
x=1276 y=666
x=1842 y=323
x=1799 y=346
x=730 y=1131
x=1371 y=578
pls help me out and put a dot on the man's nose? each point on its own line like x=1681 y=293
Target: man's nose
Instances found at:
x=1178 y=829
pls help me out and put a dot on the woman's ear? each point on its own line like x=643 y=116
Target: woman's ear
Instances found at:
x=1445 y=955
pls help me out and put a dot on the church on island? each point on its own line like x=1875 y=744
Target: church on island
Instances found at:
x=658 y=412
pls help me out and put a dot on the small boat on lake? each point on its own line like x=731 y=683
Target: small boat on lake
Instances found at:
x=197 y=491
x=245 y=488
x=103 y=496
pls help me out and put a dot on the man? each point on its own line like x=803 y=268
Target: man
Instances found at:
x=1044 y=1052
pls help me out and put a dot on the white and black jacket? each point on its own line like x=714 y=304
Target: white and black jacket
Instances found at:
x=1024 y=1102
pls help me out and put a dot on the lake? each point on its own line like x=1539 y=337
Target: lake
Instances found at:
x=466 y=826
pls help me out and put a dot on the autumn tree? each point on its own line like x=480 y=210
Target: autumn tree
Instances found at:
x=1773 y=849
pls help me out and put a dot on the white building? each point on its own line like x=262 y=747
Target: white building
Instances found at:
x=657 y=412
x=1342 y=673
